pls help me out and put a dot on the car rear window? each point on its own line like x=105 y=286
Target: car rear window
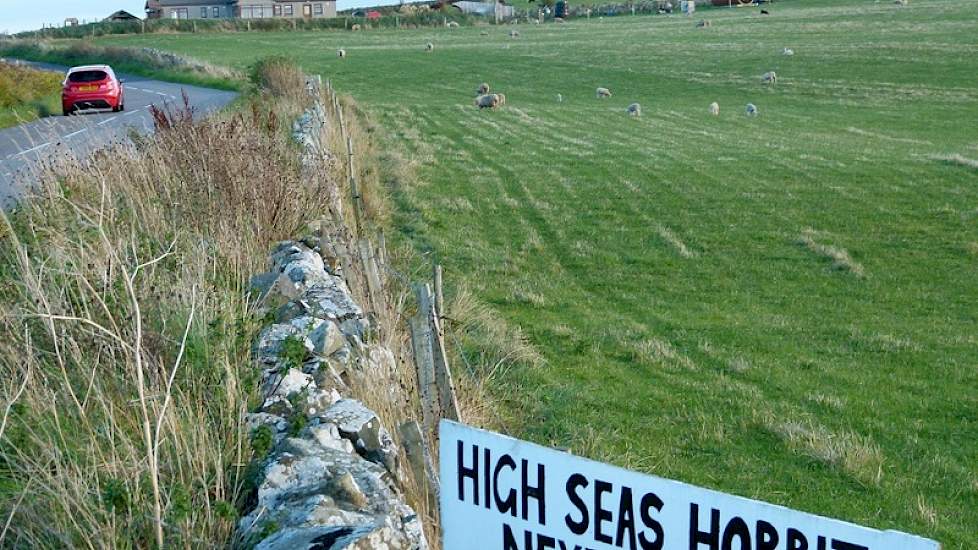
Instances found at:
x=87 y=76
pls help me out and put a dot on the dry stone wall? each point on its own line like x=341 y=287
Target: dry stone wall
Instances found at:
x=331 y=477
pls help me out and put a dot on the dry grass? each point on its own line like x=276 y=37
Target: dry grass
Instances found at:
x=841 y=260
x=670 y=237
x=125 y=323
x=856 y=455
x=958 y=160
x=655 y=351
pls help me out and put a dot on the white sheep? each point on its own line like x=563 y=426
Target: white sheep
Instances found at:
x=429 y=47
x=788 y=51
x=770 y=77
x=751 y=109
x=484 y=33
x=634 y=109
x=560 y=98
x=500 y=99
x=355 y=27
x=341 y=52
x=514 y=33
x=483 y=89
x=715 y=108
x=489 y=101
x=602 y=93
x=452 y=24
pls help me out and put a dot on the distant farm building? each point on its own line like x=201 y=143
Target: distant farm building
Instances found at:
x=122 y=15
x=71 y=22
x=243 y=9
x=473 y=7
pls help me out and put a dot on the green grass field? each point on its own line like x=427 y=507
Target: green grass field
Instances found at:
x=782 y=307
x=27 y=94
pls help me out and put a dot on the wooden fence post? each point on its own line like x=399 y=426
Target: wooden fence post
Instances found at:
x=354 y=188
x=439 y=295
x=424 y=362
x=447 y=401
x=419 y=459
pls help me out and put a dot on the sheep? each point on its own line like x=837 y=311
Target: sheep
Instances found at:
x=715 y=108
x=355 y=27
x=490 y=101
x=452 y=24
x=429 y=47
x=769 y=77
x=634 y=109
x=602 y=93
x=341 y=52
x=706 y=23
x=560 y=98
x=484 y=33
x=901 y=2
x=483 y=89
x=514 y=33
x=751 y=109
x=788 y=51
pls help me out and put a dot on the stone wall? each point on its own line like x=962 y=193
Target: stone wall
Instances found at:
x=331 y=477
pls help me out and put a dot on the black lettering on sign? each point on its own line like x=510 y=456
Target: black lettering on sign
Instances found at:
x=471 y=473
x=507 y=505
x=710 y=538
x=736 y=528
x=821 y=543
x=843 y=545
x=600 y=514
x=767 y=536
x=544 y=542
x=534 y=492
x=650 y=501
x=796 y=540
x=563 y=546
x=575 y=482
x=509 y=541
x=626 y=520
x=486 y=464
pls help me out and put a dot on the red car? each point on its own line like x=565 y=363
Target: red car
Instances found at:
x=92 y=87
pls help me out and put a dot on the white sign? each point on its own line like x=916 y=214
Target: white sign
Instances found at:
x=500 y=493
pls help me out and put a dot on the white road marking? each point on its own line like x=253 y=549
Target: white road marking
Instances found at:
x=41 y=146
x=130 y=113
x=83 y=130
x=108 y=120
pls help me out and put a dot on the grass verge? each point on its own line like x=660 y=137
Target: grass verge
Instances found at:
x=139 y=61
x=125 y=355
x=27 y=94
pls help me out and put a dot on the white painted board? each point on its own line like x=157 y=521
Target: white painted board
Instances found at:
x=500 y=493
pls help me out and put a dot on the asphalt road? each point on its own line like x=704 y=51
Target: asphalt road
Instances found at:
x=22 y=147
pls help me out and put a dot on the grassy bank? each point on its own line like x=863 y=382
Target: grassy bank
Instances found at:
x=126 y=352
x=777 y=306
x=27 y=94
x=145 y=61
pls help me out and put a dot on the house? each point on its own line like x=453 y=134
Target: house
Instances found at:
x=121 y=15
x=476 y=7
x=244 y=9
x=71 y=22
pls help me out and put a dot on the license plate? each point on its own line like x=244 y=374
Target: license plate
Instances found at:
x=88 y=88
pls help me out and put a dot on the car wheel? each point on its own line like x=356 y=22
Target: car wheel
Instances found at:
x=68 y=112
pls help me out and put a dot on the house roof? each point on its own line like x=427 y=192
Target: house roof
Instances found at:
x=121 y=14
x=182 y=3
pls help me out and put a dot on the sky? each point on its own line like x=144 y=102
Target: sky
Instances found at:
x=24 y=15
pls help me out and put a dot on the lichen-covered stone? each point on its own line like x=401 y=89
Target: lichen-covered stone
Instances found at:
x=362 y=427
